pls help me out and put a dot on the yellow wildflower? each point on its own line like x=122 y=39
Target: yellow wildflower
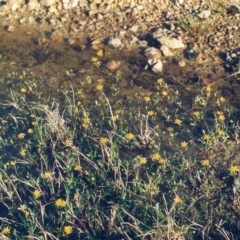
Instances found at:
x=178 y=200
x=208 y=89
x=47 y=175
x=233 y=169
x=206 y=137
x=222 y=99
x=184 y=144
x=104 y=140
x=86 y=120
x=160 y=81
x=37 y=193
x=30 y=130
x=78 y=168
x=34 y=123
x=94 y=59
x=142 y=160
x=6 y=231
x=26 y=213
x=220 y=132
x=119 y=111
x=114 y=118
x=68 y=230
x=60 y=203
x=100 y=53
x=23 y=90
x=23 y=152
x=178 y=121
x=32 y=115
x=151 y=113
x=129 y=136
x=164 y=93
x=22 y=208
x=147 y=99
x=162 y=161
x=99 y=87
x=196 y=114
x=13 y=163
x=21 y=135
x=205 y=163
x=68 y=143
x=221 y=117
x=156 y=157
x=46 y=106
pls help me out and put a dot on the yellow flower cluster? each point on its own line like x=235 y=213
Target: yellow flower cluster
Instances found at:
x=23 y=208
x=60 y=203
x=85 y=122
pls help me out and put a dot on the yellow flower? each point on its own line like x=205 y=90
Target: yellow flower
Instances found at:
x=233 y=169
x=26 y=213
x=68 y=230
x=85 y=125
x=94 y=59
x=46 y=106
x=205 y=163
x=60 y=203
x=34 y=123
x=221 y=117
x=162 y=161
x=160 y=81
x=22 y=208
x=68 y=143
x=21 y=135
x=164 y=93
x=30 y=130
x=13 y=163
x=119 y=111
x=78 y=168
x=129 y=136
x=178 y=200
x=104 y=140
x=23 y=90
x=23 y=152
x=114 y=118
x=6 y=231
x=156 y=157
x=222 y=99
x=151 y=113
x=86 y=120
x=37 y=193
x=79 y=92
x=220 y=132
x=99 y=87
x=147 y=99
x=208 y=89
x=142 y=160
x=178 y=121
x=100 y=53
x=47 y=175
x=219 y=113
x=32 y=115
x=196 y=114
x=184 y=144
x=206 y=137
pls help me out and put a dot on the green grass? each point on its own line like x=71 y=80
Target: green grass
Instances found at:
x=153 y=166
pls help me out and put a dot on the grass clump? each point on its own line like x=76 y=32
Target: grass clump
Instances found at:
x=156 y=166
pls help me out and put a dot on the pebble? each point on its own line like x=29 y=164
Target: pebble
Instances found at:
x=113 y=65
x=47 y=2
x=166 y=51
x=56 y=36
x=152 y=53
x=204 y=14
x=172 y=43
x=114 y=42
x=155 y=65
x=11 y=29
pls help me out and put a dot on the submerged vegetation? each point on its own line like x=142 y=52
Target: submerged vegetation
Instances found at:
x=91 y=164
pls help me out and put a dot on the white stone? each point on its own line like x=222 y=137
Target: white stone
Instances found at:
x=33 y=4
x=134 y=28
x=47 y=2
x=114 y=42
x=15 y=6
x=172 y=43
x=156 y=66
x=166 y=51
x=204 y=14
x=152 y=53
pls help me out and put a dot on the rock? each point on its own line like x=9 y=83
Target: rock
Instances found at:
x=152 y=53
x=156 y=66
x=31 y=19
x=22 y=21
x=113 y=65
x=204 y=14
x=56 y=36
x=33 y=4
x=166 y=51
x=47 y=3
x=172 y=43
x=114 y=42
x=158 y=33
x=134 y=28
x=182 y=63
x=11 y=29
